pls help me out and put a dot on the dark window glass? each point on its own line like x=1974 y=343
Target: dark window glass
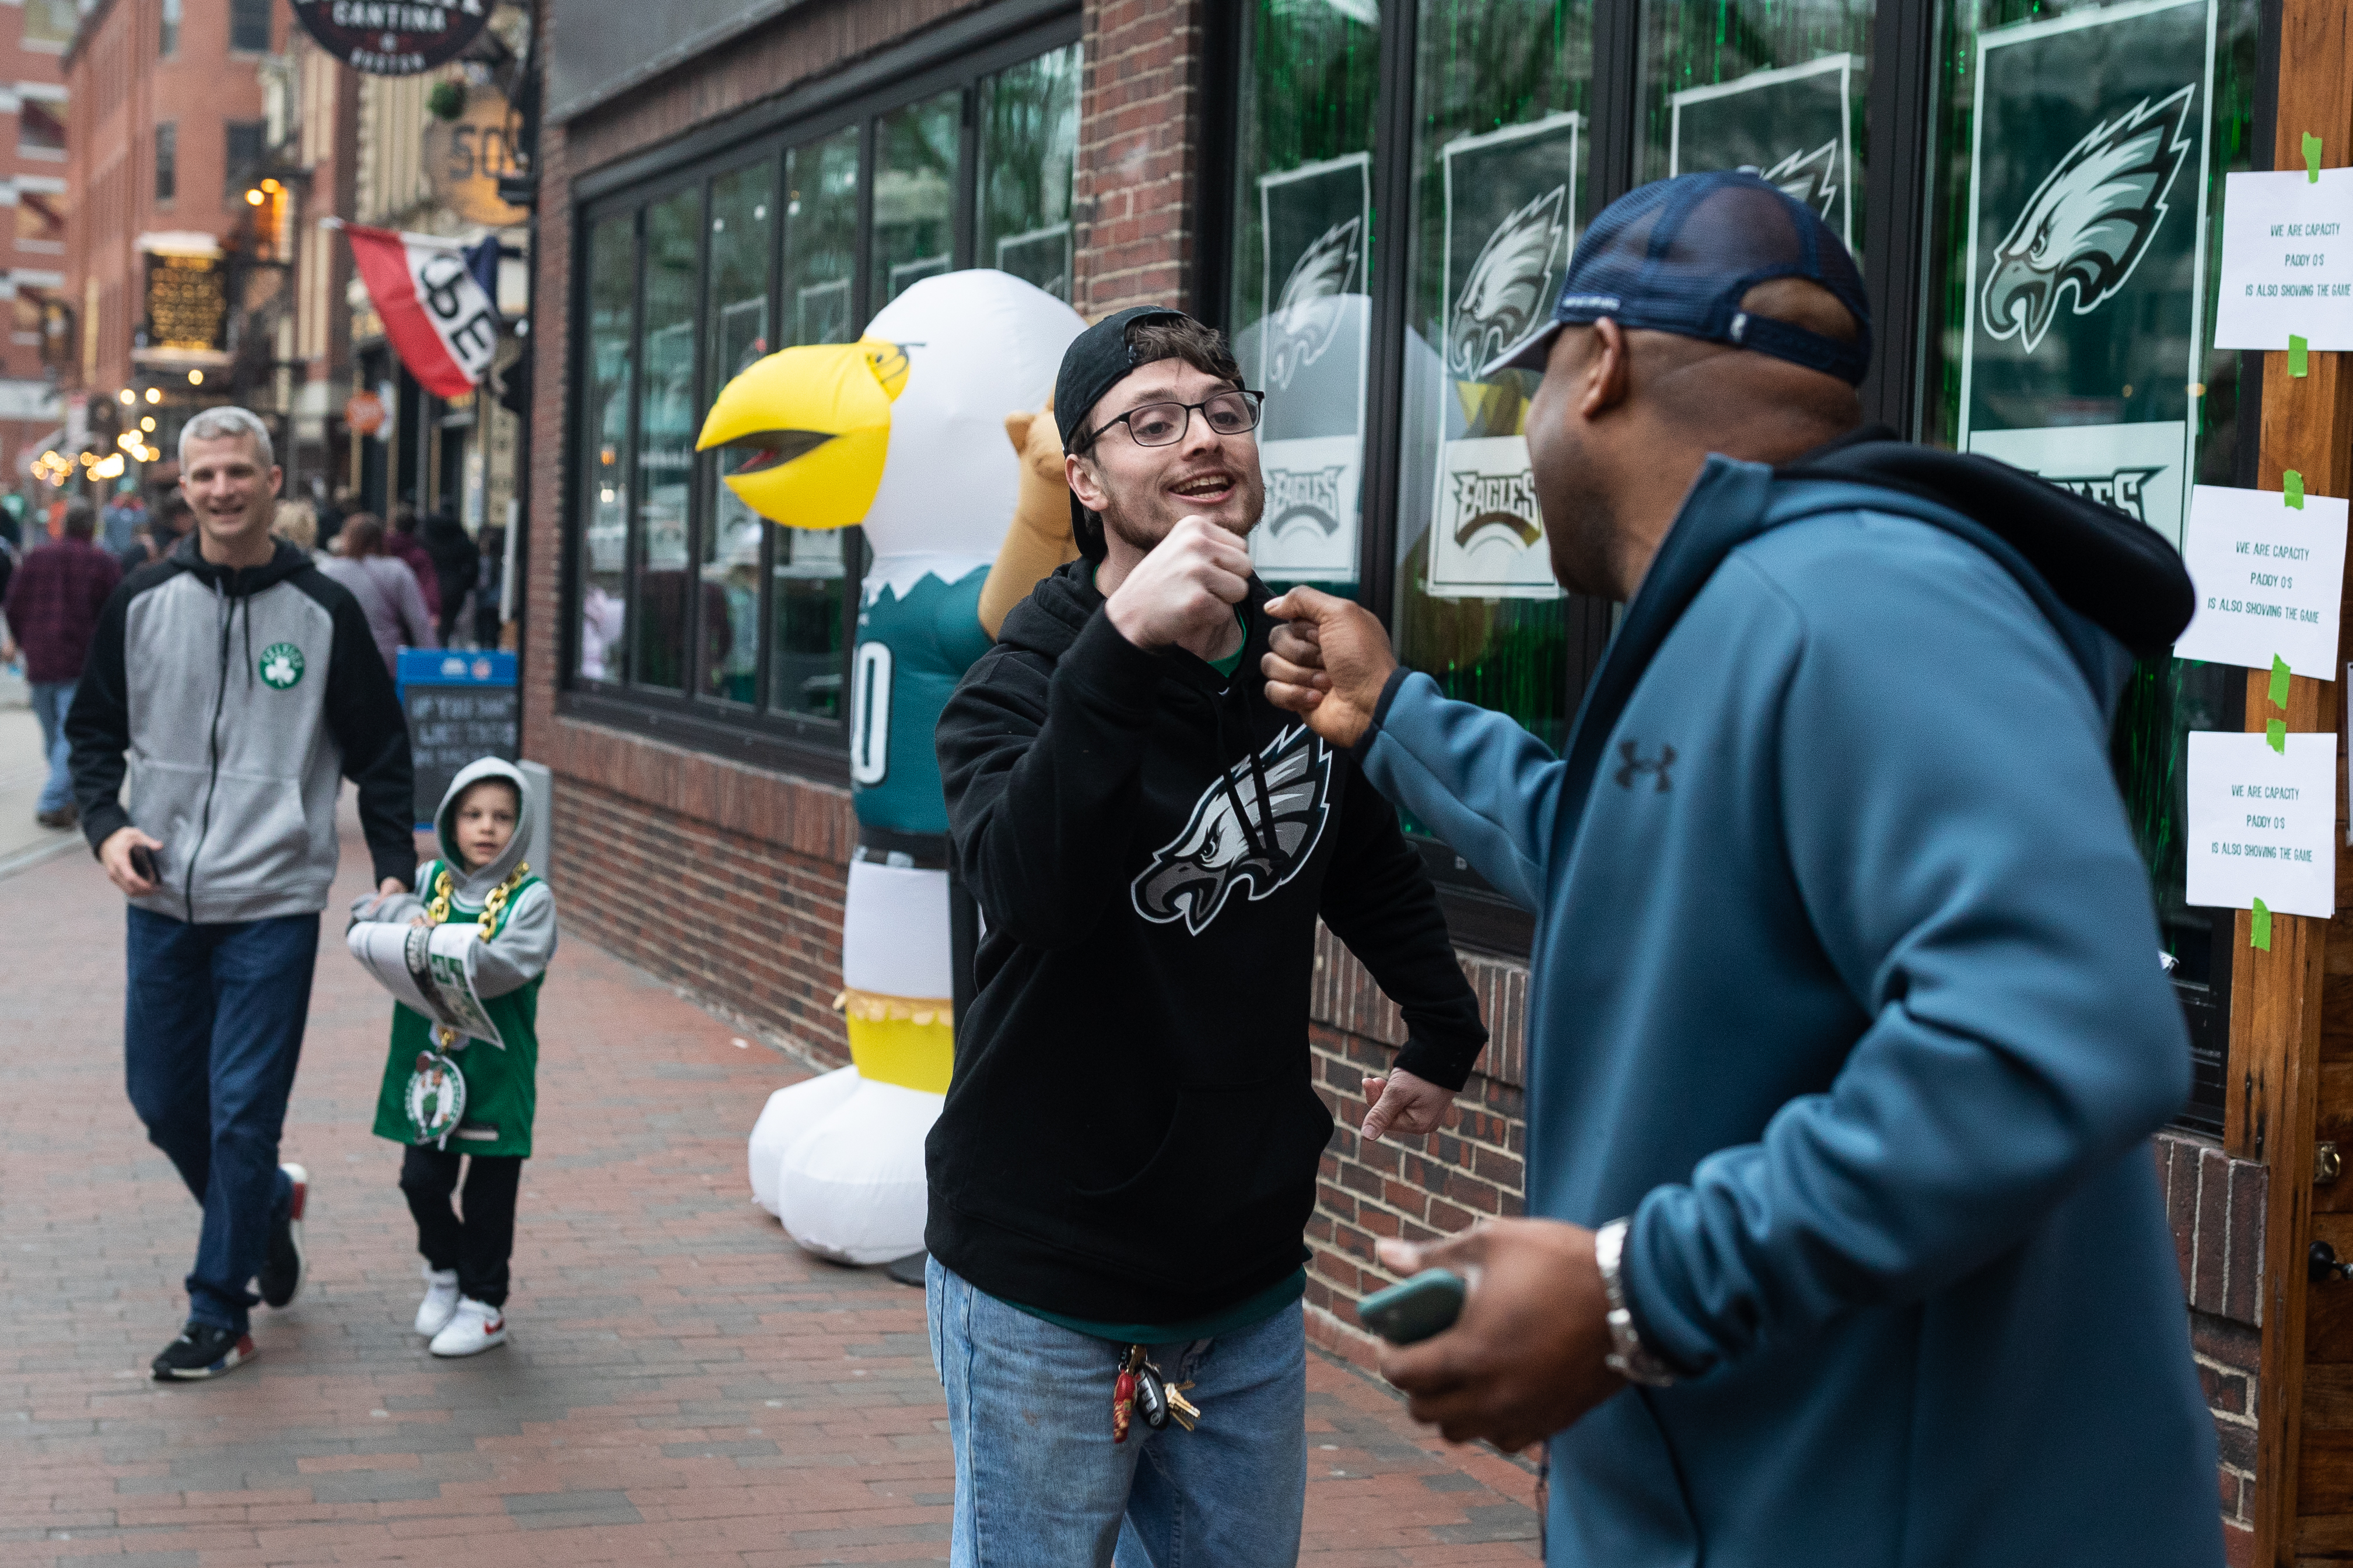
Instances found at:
x=167 y=31
x=666 y=431
x=1502 y=183
x=249 y=26
x=914 y=193
x=809 y=571
x=167 y=161
x=604 y=451
x=742 y=229
x=1028 y=143
x=1301 y=305
x=244 y=161
x=41 y=127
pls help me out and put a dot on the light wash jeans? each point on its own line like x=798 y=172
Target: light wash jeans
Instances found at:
x=50 y=701
x=1039 y=1482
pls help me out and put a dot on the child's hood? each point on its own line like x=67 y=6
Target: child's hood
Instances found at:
x=473 y=887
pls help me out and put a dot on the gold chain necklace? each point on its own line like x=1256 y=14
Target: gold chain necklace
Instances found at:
x=437 y=911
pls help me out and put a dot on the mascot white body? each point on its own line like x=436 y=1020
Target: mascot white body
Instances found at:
x=905 y=433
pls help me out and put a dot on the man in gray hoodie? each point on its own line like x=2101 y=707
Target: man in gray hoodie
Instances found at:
x=241 y=684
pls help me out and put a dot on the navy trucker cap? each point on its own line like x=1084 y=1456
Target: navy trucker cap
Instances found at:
x=1676 y=256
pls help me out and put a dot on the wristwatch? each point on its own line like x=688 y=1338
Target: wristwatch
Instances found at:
x=1629 y=1357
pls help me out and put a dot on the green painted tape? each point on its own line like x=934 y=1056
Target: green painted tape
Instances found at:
x=2292 y=482
x=2311 y=158
x=2297 y=349
x=2279 y=681
x=2275 y=736
x=2261 y=936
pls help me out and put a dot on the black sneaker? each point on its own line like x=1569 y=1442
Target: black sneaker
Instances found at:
x=281 y=1274
x=202 y=1351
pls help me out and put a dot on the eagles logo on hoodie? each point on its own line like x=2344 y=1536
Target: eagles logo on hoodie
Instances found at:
x=1237 y=838
x=2090 y=222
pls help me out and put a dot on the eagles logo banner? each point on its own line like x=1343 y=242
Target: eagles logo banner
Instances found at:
x=1793 y=127
x=2085 y=263
x=1511 y=212
x=1307 y=350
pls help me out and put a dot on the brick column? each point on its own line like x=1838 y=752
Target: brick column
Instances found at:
x=1135 y=210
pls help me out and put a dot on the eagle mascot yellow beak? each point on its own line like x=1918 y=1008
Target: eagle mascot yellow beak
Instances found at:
x=818 y=420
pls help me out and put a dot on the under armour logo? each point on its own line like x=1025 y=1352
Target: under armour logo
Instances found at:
x=1636 y=765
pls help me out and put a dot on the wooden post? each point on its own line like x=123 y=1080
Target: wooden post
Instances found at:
x=2273 y=1073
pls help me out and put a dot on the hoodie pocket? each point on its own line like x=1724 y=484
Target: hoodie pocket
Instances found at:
x=257 y=840
x=167 y=803
x=1229 y=1158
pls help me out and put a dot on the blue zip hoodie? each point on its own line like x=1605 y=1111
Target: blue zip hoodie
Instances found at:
x=1845 y=986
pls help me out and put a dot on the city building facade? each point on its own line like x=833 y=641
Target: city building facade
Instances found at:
x=736 y=177
x=34 y=36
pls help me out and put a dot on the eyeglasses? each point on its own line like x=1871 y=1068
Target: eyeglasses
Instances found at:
x=1165 y=424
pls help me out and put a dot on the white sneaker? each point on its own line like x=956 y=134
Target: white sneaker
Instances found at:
x=440 y=1303
x=471 y=1330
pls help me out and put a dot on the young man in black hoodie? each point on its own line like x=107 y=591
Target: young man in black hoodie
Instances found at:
x=1128 y=1153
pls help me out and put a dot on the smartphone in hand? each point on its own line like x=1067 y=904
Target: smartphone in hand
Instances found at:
x=142 y=860
x=1406 y=1313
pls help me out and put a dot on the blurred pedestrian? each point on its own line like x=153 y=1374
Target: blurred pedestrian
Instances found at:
x=403 y=546
x=120 y=523
x=53 y=603
x=490 y=587
x=298 y=525
x=246 y=682
x=1848 y=1031
x=456 y=562
x=169 y=521
x=386 y=591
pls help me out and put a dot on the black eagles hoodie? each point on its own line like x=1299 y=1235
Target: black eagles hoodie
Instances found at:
x=1132 y=1133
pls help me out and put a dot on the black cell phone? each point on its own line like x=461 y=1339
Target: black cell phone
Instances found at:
x=1424 y=1305
x=142 y=860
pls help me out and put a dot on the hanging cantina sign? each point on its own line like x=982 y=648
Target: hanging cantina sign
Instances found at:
x=393 y=37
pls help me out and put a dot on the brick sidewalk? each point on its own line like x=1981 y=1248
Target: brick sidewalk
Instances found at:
x=683 y=1385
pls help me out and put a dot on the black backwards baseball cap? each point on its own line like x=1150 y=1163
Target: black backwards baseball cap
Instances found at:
x=1676 y=256
x=1097 y=360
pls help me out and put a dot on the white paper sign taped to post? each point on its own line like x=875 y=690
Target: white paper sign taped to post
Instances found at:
x=2262 y=823
x=2269 y=578
x=2287 y=260
x=430 y=969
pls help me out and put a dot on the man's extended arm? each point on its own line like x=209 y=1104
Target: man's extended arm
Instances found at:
x=1042 y=777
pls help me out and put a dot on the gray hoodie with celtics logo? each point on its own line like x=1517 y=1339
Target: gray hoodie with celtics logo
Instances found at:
x=232 y=699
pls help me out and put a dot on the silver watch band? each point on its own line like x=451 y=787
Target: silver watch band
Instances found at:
x=1629 y=1357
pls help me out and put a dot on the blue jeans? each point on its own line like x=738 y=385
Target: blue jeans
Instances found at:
x=212 y=1028
x=50 y=701
x=1038 y=1480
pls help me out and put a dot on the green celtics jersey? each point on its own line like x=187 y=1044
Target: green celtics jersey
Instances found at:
x=501 y=1088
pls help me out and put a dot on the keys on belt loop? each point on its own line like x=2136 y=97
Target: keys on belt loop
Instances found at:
x=1143 y=1389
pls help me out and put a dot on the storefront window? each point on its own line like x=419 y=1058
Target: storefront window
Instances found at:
x=1029 y=141
x=604 y=482
x=821 y=259
x=1301 y=305
x=2080 y=155
x=743 y=233
x=1501 y=187
x=1776 y=90
x=915 y=151
x=688 y=602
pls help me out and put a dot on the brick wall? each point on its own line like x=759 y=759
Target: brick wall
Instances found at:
x=1135 y=210
x=2216 y=1207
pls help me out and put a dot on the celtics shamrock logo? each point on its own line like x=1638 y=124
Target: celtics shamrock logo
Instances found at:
x=281 y=665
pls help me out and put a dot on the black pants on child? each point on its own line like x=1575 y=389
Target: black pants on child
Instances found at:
x=479 y=1244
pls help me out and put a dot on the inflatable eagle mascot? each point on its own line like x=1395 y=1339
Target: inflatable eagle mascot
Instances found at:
x=905 y=432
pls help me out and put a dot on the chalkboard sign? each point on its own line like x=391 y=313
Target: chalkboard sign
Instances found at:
x=460 y=707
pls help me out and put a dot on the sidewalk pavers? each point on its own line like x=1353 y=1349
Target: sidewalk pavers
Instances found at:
x=683 y=1385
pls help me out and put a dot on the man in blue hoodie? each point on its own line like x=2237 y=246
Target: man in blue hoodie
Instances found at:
x=1848 y=1028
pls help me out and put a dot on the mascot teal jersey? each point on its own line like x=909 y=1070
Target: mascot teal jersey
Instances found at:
x=918 y=433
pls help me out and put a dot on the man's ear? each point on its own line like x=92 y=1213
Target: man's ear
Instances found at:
x=1083 y=482
x=1605 y=371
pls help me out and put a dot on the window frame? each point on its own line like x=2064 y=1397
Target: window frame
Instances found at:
x=167 y=162
x=956 y=56
x=266 y=17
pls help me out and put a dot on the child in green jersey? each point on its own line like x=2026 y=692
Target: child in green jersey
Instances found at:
x=484 y=1116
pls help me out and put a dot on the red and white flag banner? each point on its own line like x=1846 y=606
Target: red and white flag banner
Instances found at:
x=441 y=323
